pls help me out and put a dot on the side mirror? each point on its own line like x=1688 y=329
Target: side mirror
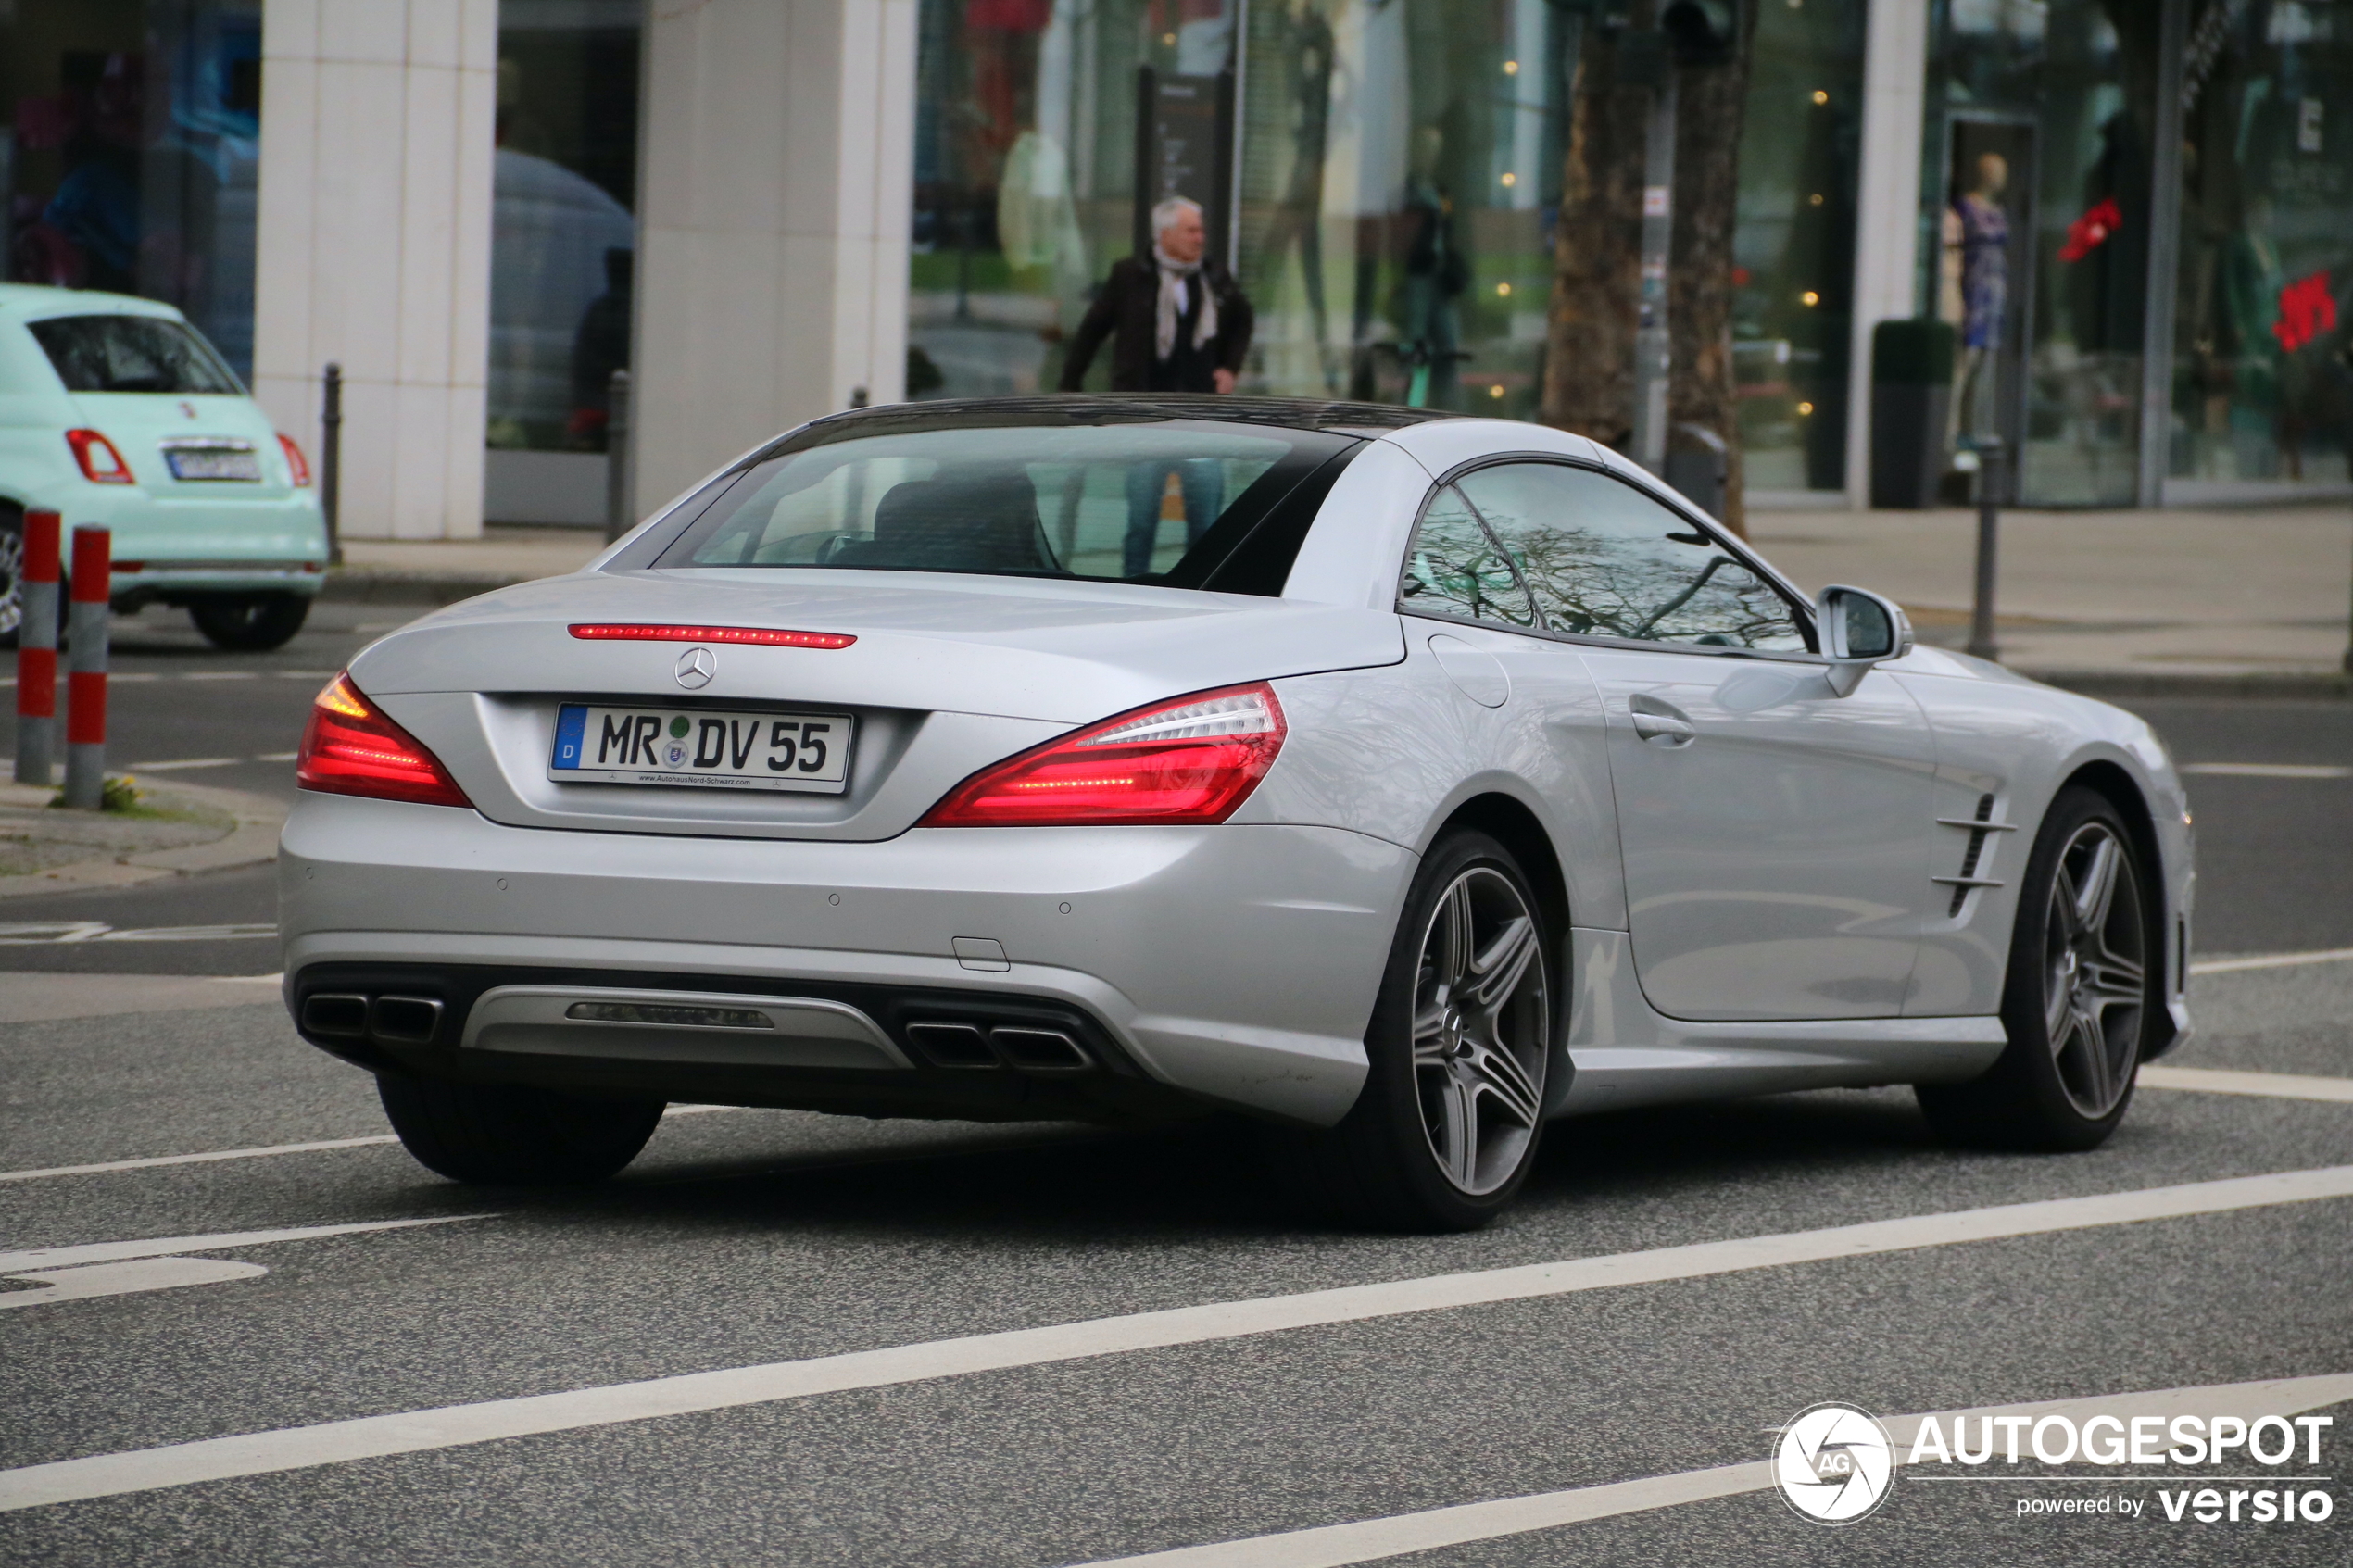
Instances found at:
x=1857 y=630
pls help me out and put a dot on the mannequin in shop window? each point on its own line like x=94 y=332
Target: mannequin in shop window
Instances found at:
x=1976 y=287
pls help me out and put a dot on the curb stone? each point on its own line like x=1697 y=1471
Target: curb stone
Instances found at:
x=252 y=842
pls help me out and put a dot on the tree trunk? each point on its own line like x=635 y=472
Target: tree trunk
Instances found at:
x=1709 y=100
x=1589 y=337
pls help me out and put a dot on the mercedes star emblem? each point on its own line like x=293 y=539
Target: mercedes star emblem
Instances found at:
x=696 y=667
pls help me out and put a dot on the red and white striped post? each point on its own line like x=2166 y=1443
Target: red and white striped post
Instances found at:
x=86 y=670
x=37 y=650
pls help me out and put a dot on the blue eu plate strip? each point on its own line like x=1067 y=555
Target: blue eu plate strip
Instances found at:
x=571 y=723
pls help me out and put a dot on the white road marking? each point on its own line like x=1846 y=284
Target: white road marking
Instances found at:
x=2222 y=1080
x=301 y=1447
x=1335 y=1546
x=2267 y=771
x=2269 y=961
x=221 y=675
x=41 y=933
x=164 y=1247
x=152 y=1162
x=277 y=755
x=183 y=764
x=125 y=1279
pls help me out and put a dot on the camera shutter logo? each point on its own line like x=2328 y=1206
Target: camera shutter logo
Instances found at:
x=1834 y=1464
x=696 y=667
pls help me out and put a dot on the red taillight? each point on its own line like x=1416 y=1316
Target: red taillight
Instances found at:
x=350 y=748
x=295 y=464
x=101 y=464
x=759 y=636
x=1191 y=760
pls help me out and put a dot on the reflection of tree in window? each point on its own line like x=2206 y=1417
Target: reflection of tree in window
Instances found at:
x=1602 y=561
x=1454 y=569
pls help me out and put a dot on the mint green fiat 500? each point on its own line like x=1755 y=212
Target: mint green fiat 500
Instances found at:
x=116 y=413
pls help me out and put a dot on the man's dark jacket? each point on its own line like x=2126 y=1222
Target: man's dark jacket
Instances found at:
x=1125 y=310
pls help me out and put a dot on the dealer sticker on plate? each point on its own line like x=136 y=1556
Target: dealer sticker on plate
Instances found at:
x=695 y=746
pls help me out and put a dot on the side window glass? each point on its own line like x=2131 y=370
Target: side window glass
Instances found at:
x=1605 y=560
x=1453 y=570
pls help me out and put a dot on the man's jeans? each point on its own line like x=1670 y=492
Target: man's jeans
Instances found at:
x=1203 y=482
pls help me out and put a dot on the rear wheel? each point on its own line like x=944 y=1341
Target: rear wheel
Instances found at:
x=1444 y=1134
x=2081 y=996
x=249 y=622
x=507 y=1134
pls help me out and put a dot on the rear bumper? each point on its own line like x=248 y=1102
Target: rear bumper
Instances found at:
x=175 y=583
x=1233 y=965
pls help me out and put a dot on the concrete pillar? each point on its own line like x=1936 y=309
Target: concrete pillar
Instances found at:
x=1887 y=206
x=375 y=247
x=776 y=181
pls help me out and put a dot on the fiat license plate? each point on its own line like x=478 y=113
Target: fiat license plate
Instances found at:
x=809 y=752
x=234 y=464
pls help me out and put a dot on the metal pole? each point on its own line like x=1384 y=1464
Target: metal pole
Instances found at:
x=37 y=650
x=331 y=462
x=2165 y=237
x=86 y=671
x=617 y=508
x=1652 y=350
x=1990 y=475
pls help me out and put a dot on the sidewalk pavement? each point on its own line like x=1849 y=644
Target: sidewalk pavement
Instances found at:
x=182 y=829
x=2128 y=603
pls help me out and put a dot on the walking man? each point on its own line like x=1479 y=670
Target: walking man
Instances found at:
x=1179 y=323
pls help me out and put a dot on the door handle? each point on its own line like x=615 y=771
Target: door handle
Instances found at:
x=1660 y=728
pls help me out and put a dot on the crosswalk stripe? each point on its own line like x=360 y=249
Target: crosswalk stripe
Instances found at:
x=302 y=1448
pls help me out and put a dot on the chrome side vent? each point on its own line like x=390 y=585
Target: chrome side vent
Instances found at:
x=1979 y=828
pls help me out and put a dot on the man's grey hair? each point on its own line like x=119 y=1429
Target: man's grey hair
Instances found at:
x=1166 y=211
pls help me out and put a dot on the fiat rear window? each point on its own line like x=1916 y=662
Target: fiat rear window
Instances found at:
x=131 y=354
x=1175 y=502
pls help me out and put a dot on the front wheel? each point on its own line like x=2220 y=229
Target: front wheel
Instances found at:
x=1445 y=1129
x=2082 y=992
x=250 y=622
x=509 y=1135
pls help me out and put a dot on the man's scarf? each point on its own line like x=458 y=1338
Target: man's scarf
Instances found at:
x=1173 y=276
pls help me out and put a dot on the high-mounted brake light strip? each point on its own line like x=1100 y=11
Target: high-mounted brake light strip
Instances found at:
x=759 y=636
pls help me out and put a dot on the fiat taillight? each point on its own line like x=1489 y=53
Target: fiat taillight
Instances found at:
x=298 y=467
x=350 y=748
x=1194 y=759
x=101 y=464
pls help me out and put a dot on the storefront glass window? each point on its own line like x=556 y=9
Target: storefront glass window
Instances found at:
x=1794 y=251
x=2263 y=394
x=2036 y=197
x=564 y=237
x=129 y=153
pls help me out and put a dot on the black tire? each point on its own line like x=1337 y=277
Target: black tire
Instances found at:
x=507 y=1135
x=11 y=573
x=2097 y=985
x=1396 y=1161
x=250 y=622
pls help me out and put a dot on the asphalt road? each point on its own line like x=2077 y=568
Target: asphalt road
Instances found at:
x=743 y=1239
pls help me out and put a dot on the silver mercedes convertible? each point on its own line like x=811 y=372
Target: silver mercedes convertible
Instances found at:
x=1400 y=782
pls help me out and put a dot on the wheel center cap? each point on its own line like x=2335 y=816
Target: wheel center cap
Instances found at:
x=1455 y=1044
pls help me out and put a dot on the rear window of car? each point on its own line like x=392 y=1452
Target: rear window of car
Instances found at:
x=1176 y=502
x=131 y=354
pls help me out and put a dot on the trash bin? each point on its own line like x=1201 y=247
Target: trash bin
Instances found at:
x=1911 y=393
x=1699 y=464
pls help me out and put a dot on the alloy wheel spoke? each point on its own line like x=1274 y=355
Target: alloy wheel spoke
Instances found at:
x=1459 y=1138
x=1501 y=968
x=1455 y=939
x=1430 y=1036
x=2098 y=889
x=2088 y=1045
x=1500 y=1075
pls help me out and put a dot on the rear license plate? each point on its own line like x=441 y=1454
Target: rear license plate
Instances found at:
x=809 y=752
x=212 y=464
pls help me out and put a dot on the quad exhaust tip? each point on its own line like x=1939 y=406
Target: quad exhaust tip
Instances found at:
x=399 y=1021
x=1026 y=1047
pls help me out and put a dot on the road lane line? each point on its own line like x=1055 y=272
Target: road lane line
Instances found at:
x=152 y=1162
x=164 y=1247
x=135 y=1277
x=185 y=762
x=2270 y=960
x=1369 y=1541
x=302 y=1448
x=278 y=756
x=2267 y=771
x=2222 y=1080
